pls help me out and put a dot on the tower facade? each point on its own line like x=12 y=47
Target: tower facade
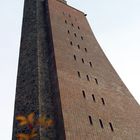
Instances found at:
x=66 y=87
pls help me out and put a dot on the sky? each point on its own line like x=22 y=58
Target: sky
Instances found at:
x=116 y=25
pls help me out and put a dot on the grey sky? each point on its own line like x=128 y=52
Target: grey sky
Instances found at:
x=116 y=25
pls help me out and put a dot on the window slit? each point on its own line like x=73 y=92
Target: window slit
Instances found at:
x=74 y=57
x=82 y=60
x=90 y=64
x=103 y=102
x=65 y=21
x=88 y=78
x=84 y=95
x=111 y=127
x=78 y=46
x=90 y=120
x=96 y=81
x=101 y=123
x=79 y=74
x=93 y=97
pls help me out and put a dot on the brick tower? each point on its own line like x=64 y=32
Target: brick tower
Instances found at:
x=66 y=87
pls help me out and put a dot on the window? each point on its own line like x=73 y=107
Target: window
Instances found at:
x=74 y=57
x=79 y=74
x=63 y=13
x=90 y=120
x=69 y=15
x=90 y=64
x=96 y=81
x=78 y=46
x=78 y=27
x=71 y=43
x=72 y=25
x=111 y=127
x=82 y=60
x=82 y=38
x=88 y=78
x=84 y=95
x=65 y=21
x=85 y=49
x=93 y=97
x=103 y=102
x=68 y=32
x=101 y=123
x=75 y=35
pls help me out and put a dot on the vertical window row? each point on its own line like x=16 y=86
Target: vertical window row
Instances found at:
x=70 y=17
x=83 y=61
x=87 y=77
x=93 y=96
x=101 y=123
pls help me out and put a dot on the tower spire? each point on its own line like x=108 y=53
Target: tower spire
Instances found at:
x=64 y=1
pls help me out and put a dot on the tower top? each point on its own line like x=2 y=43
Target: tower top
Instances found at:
x=63 y=1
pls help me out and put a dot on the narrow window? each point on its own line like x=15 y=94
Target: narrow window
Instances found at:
x=78 y=27
x=103 y=102
x=65 y=21
x=88 y=78
x=72 y=25
x=90 y=64
x=111 y=127
x=69 y=15
x=79 y=74
x=68 y=32
x=82 y=60
x=96 y=81
x=90 y=120
x=93 y=97
x=82 y=37
x=74 y=57
x=101 y=123
x=75 y=35
x=63 y=13
x=84 y=95
x=71 y=43
x=78 y=46
x=85 y=49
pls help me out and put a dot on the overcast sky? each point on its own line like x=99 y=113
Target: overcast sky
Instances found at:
x=116 y=25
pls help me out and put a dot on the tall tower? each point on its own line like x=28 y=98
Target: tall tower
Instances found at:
x=66 y=87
